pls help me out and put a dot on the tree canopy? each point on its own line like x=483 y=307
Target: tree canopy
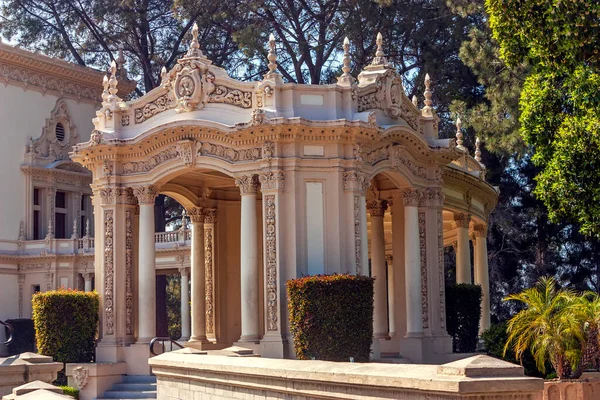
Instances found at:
x=560 y=100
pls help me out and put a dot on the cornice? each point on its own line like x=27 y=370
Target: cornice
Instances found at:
x=49 y=75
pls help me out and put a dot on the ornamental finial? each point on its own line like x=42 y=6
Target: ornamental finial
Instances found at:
x=105 y=93
x=163 y=75
x=87 y=227
x=415 y=101
x=194 y=50
x=427 y=110
x=272 y=57
x=112 y=83
x=478 y=150
x=74 y=234
x=459 y=134
x=346 y=59
x=380 y=58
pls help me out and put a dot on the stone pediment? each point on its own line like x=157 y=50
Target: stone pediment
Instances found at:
x=58 y=137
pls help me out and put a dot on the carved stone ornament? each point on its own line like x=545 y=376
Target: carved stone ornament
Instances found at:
x=432 y=197
x=59 y=135
x=462 y=220
x=441 y=277
x=109 y=317
x=387 y=94
x=186 y=150
x=196 y=214
x=480 y=230
x=248 y=184
x=357 y=236
x=21 y=300
x=271 y=180
x=129 y=272
x=423 y=256
x=208 y=265
x=228 y=153
x=268 y=150
x=210 y=216
x=80 y=377
x=259 y=117
x=271 y=255
x=411 y=197
x=154 y=161
x=234 y=97
x=400 y=159
x=355 y=180
x=146 y=194
x=161 y=103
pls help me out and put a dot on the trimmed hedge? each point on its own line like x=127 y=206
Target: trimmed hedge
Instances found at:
x=66 y=322
x=463 y=310
x=331 y=316
x=70 y=391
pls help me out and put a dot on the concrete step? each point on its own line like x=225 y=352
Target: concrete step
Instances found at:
x=145 y=394
x=134 y=387
x=139 y=379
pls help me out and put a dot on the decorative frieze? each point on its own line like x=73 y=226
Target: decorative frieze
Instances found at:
x=234 y=97
x=154 y=107
x=423 y=256
x=153 y=162
x=129 y=272
x=400 y=158
x=248 y=184
x=271 y=180
x=146 y=194
x=271 y=262
x=228 y=153
x=109 y=317
x=462 y=220
x=186 y=151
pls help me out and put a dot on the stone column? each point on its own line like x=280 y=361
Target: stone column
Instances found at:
x=50 y=212
x=377 y=211
x=482 y=274
x=249 y=185
x=147 y=268
x=185 y=303
x=210 y=219
x=389 y=259
x=412 y=264
x=198 y=333
x=356 y=184
x=87 y=277
x=463 y=255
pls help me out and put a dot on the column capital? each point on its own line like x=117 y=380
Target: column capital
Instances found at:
x=125 y=196
x=107 y=195
x=271 y=180
x=377 y=207
x=480 y=230
x=146 y=194
x=51 y=191
x=196 y=214
x=461 y=220
x=248 y=184
x=431 y=197
x=184 y=271
x=411 y=197
x=210 y=215
x=355 y=180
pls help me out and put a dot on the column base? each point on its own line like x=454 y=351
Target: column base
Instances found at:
x=272 y=347
x=426 y=349
x=249 y=339
x=137 y=356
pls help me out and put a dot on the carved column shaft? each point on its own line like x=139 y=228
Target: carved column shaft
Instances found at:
x=377 y=209
x=210 y=220
x=198 y=277
x=463 y=254
x=482 y=274
x=412 y=261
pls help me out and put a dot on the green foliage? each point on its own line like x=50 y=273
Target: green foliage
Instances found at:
x=70 y=391
x=331 y=316
x=174 y=306
x=494 y=340
x=560 y=101
x=463 y=310
x=66 y=323
x=552 y=327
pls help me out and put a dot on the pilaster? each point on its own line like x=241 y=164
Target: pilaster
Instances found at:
x=355 y=187
x=210 y=222
x=272 y=343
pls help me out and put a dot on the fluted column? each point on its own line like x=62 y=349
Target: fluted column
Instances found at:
x=198 y=275
x=377 y=209
x=412 y=263
x=185 y=303
x=482 y=274
x=463 y=256
x=87 y=278
x=391 y=295
x=147 y=267
x=249 y=186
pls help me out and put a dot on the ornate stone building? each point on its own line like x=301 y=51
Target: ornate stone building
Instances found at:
x=281 y=180
x=278 y=180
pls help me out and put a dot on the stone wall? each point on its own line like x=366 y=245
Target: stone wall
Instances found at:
x=183 y=376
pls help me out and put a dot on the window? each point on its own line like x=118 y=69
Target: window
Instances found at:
x=82 y=229
x=83 y=201
x=36 y=197
x=35 y=289
x=61 y=200
x=60 y=232
x=36 y=225
x=60 y=132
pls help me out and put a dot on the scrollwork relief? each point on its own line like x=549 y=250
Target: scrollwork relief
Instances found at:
x=271 y=255
x=109 y=318
x=154 y=161
x=160 y=104
x=423 y=254
x=128 y=272
x=208 y=264
x=234 y=97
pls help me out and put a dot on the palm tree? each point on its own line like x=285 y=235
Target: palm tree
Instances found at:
x=589 y=311
x=548 y=328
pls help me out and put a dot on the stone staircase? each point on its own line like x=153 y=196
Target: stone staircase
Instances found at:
x=132 y=387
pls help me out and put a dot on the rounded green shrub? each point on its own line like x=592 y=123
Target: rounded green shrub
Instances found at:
x=331 y=316
x=70 y=391
x=66 y=323
x=463 y=310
